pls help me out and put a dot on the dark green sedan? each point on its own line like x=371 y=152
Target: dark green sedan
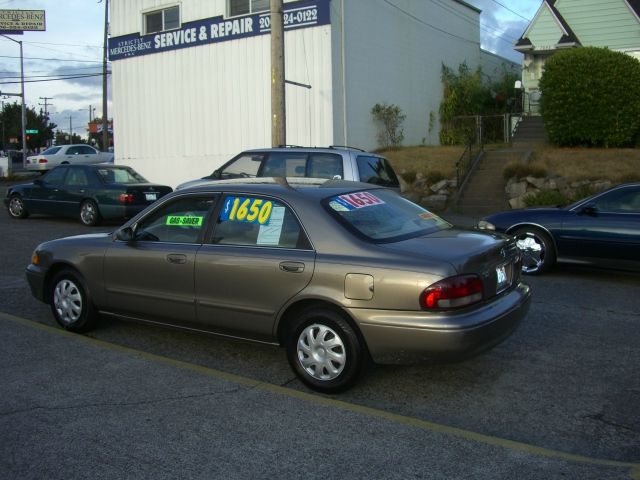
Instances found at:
x=90 y=192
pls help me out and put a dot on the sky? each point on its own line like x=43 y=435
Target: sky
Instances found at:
x=72 y=45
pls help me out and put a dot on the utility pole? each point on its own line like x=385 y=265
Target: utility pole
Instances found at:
x=105 y=121
x=46 y=105
x=70 y=131
x=278 y=107
x=21 y=94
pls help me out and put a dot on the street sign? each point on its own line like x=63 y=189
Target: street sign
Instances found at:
x=22 y=20
x=31 y=131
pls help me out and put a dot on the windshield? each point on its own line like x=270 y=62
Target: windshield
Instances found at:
x=51 y=151
x=383 y=216
x=120 y=175
x=376 y=170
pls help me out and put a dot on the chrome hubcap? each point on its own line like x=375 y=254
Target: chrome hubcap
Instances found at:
x=16 y=207
x=88 y=213
x=67 y=301
x=321 y=352
x=533 y=252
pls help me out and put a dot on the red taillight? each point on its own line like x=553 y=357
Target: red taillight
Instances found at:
x=42 y=160
x=452 y=292
x=126 y=198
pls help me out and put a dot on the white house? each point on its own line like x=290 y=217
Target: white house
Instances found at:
x=192 y=86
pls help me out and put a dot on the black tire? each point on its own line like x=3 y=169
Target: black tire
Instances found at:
x=538 y=250
x=90 y=213
x=324 y=351
x=70 y=302
x=17 y=208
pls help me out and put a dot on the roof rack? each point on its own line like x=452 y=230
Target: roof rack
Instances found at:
x=347 y=146
x=290 y=146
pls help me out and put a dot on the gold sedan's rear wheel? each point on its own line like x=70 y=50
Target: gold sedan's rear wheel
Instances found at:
x=324 y=351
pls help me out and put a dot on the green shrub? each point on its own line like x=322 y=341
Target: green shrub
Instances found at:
x=583 y=192
x=545 y=198
x=521 y=170
x=390 y=119
x=591 y=97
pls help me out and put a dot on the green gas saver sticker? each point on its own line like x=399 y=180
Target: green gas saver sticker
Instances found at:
x=185 y=220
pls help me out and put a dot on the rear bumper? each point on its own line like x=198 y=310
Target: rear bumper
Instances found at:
x=398 y=337
x=38 y=167
x=120 y=211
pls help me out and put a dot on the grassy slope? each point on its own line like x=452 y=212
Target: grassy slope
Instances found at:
x=614 y=164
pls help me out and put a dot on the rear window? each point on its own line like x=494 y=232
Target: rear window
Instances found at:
x=51 y=151
x=120 y=175
x=376 y=170
x=383 y=216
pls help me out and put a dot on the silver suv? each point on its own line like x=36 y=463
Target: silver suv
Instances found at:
x=334 y=162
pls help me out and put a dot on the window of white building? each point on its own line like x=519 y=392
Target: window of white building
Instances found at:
x=246 y=7
x=160 y=20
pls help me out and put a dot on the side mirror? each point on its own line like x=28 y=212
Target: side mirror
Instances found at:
x=38 y=181
x=589 y=209
x=216 y=174
x=125 y=234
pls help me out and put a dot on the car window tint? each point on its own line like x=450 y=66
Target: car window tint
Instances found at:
x=51 y=151
x=77 y=177
x=325 y=165
x=244 y=166
x=382 y=215
x=86 y=150
x=180 y=221
x=72 y=151
x=121 y=175
x=376 y=170
x=623 y=200
x=284 y=164
x=55 y=176
x=258 y=221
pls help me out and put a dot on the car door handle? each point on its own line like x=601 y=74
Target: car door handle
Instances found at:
x=292 y=267
x=177 y=258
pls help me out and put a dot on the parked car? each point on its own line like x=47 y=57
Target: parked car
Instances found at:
x=337 y=273
x=344 y=163
x=603 y=229
x=63 y=154
x=90 y=192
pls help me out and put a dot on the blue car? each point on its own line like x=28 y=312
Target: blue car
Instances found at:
x=603 y=229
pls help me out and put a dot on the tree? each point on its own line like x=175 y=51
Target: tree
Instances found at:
x=591 y=96
x=62 y=138
x=12 y=127
x=469 y=93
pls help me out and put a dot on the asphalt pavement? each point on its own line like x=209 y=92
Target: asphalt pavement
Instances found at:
x=77 y=407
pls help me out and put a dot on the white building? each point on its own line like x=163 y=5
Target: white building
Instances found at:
x=192 y=87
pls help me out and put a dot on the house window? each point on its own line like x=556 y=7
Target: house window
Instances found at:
x=160 y=20
x=245 y=7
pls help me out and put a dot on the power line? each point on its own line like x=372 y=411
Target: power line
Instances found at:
x=492 y=32
x=58 y=74
x=512 y=11
x=55 y=59
x=71 y=77
x=428 y=24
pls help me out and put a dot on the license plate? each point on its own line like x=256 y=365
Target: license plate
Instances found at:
x=151 y=197
x=503 y=277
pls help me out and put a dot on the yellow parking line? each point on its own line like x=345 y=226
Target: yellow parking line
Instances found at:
x=634 y=467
